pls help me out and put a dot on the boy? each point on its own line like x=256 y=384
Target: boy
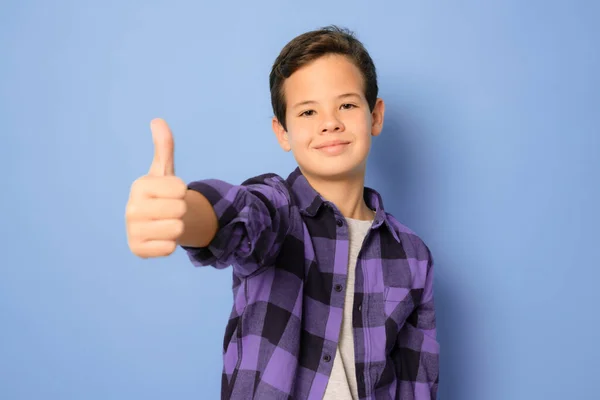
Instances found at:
x=333 y=297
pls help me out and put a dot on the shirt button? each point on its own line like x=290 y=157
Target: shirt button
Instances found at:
x=359 y=307
x=326 y=358
x=340 y=222
x=338 y=288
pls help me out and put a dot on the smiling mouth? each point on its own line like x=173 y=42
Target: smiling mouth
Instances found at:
x=333 y=149
x=327 y=146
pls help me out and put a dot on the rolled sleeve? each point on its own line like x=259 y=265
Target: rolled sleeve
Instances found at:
x=253 y=219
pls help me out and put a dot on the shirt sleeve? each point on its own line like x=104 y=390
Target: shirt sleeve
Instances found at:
x=253 y=219
x=418 y=343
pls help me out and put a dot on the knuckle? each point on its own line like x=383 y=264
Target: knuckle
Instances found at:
x=135 y=232
x=135 y=186
x=140 y=186
x=131 y=210
x=136 y=249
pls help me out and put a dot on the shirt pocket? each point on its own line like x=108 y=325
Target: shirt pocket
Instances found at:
x=397 y=303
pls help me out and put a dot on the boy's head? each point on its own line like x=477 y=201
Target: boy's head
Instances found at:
x=323 y=90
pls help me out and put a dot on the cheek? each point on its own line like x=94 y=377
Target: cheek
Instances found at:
x=299 y=136
x=362 y=120
x=300 y=143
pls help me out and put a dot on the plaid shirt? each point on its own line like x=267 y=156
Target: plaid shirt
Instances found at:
x=288 y=248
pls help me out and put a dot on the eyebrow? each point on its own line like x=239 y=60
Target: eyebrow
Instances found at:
x=341 y=96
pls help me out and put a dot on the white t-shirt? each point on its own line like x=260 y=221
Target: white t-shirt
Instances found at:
x=342 y=382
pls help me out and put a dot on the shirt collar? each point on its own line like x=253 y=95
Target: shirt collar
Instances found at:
x=310 y=201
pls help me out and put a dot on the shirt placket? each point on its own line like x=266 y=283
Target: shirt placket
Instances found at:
x=340 y=269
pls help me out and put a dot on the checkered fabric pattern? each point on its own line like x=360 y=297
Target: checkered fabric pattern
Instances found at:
x=288 y=248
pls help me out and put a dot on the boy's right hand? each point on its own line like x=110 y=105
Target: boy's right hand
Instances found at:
x=156 y=205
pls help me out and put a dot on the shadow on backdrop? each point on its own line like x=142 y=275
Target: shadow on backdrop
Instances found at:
x=404 y=168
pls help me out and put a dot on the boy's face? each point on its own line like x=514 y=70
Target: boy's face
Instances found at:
x=328 y=119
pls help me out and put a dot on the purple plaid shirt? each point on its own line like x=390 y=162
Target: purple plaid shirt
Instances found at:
x=288 y=249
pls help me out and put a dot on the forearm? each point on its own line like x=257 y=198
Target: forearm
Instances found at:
x=199 y=221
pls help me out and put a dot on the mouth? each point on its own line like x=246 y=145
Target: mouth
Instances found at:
x=337 y=143
x=333 y=148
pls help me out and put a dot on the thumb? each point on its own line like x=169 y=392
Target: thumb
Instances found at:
x=163 y=163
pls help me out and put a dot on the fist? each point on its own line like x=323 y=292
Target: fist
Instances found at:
x=156 y=205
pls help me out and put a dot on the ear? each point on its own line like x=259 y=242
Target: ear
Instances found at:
x=281 y=134
x=377 y=117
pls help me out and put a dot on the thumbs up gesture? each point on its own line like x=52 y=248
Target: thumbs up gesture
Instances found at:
x=156 y=205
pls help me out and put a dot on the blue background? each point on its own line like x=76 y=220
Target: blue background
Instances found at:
x=490 y=152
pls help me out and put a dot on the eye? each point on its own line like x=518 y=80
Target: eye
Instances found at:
x=348 y=106
x=307 y=113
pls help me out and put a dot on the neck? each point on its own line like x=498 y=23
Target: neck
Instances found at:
x=347 y=194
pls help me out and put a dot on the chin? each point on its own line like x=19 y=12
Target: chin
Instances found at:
x=334 y=170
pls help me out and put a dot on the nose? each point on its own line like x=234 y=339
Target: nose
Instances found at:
x=332 y=124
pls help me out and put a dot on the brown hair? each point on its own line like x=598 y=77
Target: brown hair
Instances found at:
x=312 y=45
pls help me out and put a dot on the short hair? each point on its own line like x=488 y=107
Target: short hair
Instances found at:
x=312 y=45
